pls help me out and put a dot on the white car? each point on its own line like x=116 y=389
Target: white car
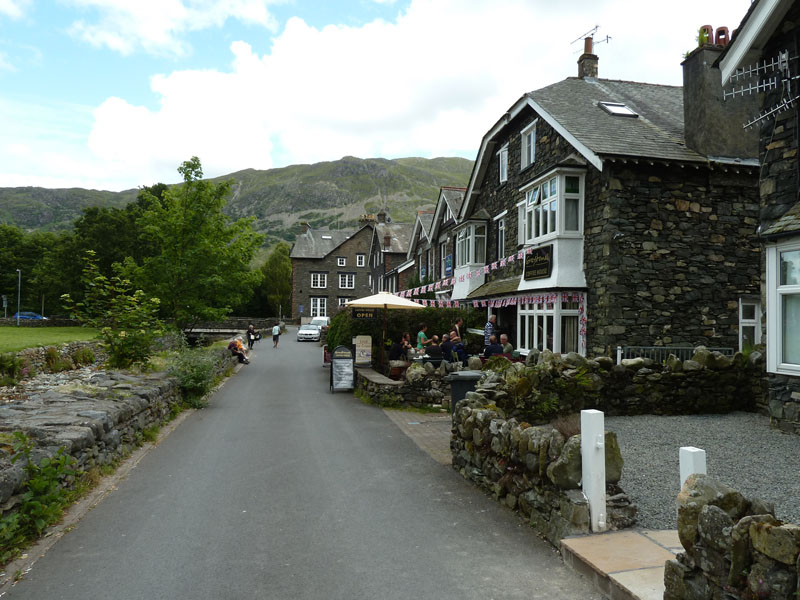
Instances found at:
x=308 y=332
x=322 y=322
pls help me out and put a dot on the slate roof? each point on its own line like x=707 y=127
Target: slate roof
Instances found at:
x=496 y=287
x=789 y=223
x=454 y=198
x=426 y=220
x=656 y=133
x=400 y=234
x=318 y=243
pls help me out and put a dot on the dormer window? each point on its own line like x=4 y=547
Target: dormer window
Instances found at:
x=617 y=109
x=503 y=160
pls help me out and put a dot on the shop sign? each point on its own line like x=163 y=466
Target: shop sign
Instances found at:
x=539 y=263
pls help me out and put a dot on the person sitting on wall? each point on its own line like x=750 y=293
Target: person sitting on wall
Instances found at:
x=507 y=347
x=237 y=349
x=398 y=353
x=492 y=348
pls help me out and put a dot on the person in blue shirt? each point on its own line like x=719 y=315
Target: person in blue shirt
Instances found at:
x=492 y=348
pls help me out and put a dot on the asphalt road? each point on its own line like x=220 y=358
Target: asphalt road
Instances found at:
x=282 y=490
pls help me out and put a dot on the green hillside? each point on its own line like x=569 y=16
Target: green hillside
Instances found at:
x=327 y=193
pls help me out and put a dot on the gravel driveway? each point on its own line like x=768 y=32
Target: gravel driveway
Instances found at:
x=741 y=451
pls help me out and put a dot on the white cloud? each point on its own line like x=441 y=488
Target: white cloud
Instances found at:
x=5 y=64
x=430 y=83
x=159 y=26
x=13 y=8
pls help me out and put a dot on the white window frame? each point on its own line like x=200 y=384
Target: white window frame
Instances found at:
x=360 y=260
x=319 y=306
x=466 y=244
x=755 y=322
x=341 y=261
x=501 y=237
x=448 y=214
x=347 y=281
x=541 y=215
x=343 y=300
x=528 y=146
x=321 y=281
x=776 y=292
x=535 y=313
x=442 y=257
x=502 y=156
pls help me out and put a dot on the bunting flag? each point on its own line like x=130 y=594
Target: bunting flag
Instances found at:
x=437 y=285
x=520 y=255
x=469 y=275
x=503 y=262
x=486 y=268
x=494 y=266
x=510 y=259
x=475 y=304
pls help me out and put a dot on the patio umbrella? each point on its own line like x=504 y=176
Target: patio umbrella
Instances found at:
x=386 y=301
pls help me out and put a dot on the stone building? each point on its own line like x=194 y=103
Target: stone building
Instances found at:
x=329 y=267
x=768 y=37
x=605 y=213
x=387 y=250
x=420 y=247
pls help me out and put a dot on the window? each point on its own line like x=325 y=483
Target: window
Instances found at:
x=319 y=280
x=749 y=323
x=341 y=261
x=448 y=214
x=552 y=323
x=360 y=260
x=443 y=259
x=471 y=245
x=528 y=146
x=501 y=238
x=783 y=308
x=551 y=207
x=347 y=281
x=343 y=301
x=503 y=160
x=319 y=307
x=617 y=109
x=431 y=261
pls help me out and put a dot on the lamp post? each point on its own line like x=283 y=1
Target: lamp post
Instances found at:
x=19 y=288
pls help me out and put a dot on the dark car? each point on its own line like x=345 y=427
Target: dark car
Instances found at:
x=29 y=315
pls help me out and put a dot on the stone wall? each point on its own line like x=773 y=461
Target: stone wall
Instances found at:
x=422 y=385
x=549 y=384
x=38 y=322
x=535 y=470
x=35 y=357
x=97 y=417
x=784 y=402
x=734 y=547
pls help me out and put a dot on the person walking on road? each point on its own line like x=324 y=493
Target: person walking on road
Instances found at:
x=276 y=334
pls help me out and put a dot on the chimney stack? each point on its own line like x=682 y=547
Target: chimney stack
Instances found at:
x=382 y=216
x=712 y=125
x=587 y=63
x=387 y=241
x=304 y=227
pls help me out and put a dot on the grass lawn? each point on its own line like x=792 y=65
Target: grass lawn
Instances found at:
x=13 y=339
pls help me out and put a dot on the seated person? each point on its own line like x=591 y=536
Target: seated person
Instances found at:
x=507 y=348
x=398 y=354
x=447 y=348
x=434 y=350
x=237 y=349
x=492 y=347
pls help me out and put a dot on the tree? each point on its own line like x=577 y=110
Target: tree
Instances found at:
x=274 y=295
x=202 y=264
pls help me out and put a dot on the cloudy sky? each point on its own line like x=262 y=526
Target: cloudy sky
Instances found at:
x=114 y=94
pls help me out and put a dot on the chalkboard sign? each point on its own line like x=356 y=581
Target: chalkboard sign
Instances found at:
x=342 y=375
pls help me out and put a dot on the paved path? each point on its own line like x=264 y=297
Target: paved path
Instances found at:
x=281 y=490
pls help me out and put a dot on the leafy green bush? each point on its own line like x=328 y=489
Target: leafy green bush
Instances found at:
x=196 y=370
x=128 y=319
x=10 y=368
x=83 y=356
x=55 y=362
x=43 y=501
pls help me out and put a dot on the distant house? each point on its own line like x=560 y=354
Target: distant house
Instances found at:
x=420 y=248
x=768 y=37
x=605 y=213
x=387 y=251
x=329 y=267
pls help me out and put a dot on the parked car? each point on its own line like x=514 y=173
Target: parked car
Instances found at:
x=308 y=332
x=321 y=322
x=29 y=315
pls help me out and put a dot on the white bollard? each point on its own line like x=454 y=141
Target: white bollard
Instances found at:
x=593 y=456
x=693 y=461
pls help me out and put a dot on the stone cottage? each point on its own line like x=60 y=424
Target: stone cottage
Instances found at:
x=605 y=213
x=387 y=250
x=764 y=53
x=329 y=268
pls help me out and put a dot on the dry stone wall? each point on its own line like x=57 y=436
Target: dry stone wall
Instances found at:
x=535 y=470
x=734 y=547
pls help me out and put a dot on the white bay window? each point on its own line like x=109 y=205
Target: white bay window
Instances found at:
x=553 y=207
x=783 y=308
x=471 y=244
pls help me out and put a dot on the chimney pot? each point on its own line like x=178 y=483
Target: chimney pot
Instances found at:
x=722 y=37
x=588 y=45
x=587 y=63
x=382 y=216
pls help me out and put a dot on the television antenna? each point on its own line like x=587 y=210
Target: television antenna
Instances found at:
x=591 y=33
x=776 y=73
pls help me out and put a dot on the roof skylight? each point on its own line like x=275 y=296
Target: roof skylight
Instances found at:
x=327 y=237
x=617 y=109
